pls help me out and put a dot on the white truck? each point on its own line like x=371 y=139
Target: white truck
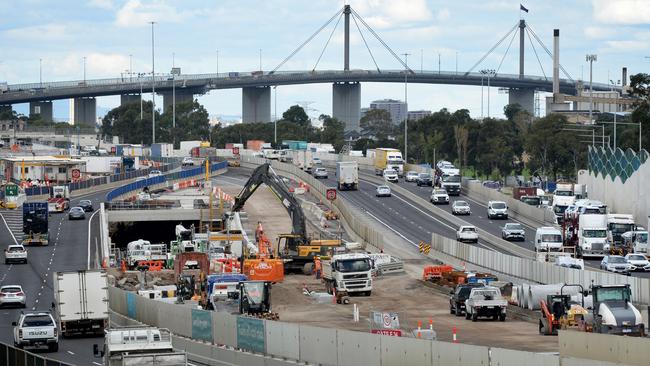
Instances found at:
x=592 y=235
x=637 y=240
x=485 y=302
x=81 y=302
x=347 y=175
x=450 y=182
x=563 y=197
x=617 y=225
x=139 y=345
x=36 y=329
x=303 y=159
x=350 y=272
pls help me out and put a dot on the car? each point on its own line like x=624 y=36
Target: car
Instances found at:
x=15 y=253
x=639 y=262
x=317 y=161
x=188 y=161
x=439 y=196
x=391 y=176
x=497 y=209
x=76 y=213
x=467 y=233
x=86 y=205
x=36 y=329
x=383 y=191
x=616 y=264
x=513 y=231
x=460 y=208
x=458 y=297
x=155 y=173
x=424 y=179
x=320 y=173
x=411 y=176
x=12 y=295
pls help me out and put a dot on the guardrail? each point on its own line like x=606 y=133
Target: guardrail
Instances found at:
x=14 y=356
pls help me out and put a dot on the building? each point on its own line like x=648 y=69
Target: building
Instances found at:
x=418 y=115
x=396 y=108
x=42 y=168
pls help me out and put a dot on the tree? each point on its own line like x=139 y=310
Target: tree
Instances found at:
x=296 y=114
x=462 y=138
x=124 y=121
x=332 y=132
x=377 y=123
x=551 y=148
x=192 y=123
x=640 y=88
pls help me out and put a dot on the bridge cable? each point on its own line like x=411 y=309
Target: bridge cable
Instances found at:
x=493 y=48
x=548 y=52
x=382 y=41
x=536 y=55
x=328 y=42
x=307 y=41
x=506 y=53
x=366 y=43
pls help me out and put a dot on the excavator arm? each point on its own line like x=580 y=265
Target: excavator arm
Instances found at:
x=265 y=174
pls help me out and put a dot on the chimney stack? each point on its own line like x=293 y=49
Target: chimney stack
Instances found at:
x=556 y=61
x=624 y=77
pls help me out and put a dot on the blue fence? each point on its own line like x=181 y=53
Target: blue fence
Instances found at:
x=183 y=174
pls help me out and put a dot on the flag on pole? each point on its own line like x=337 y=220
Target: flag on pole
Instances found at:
x=521 y=7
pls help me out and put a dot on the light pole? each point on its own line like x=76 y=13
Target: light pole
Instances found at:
x=489 y=73
x=438 y=63
x=481 y=95
x=131 y=67
x=40 y=71
x=406 y=105
x=275 y=116
x=456 y=62
x=139 y=79
x=260 y=59
x=84 y=69
x=153 y=87
x=615 y=109
x=591 y=58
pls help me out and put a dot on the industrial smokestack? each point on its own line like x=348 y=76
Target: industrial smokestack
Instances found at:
x=556 y=61
x=624 y=77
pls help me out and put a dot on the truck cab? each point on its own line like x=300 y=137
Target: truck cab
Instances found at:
x=350 y=272
x=617 y=225
x=563 y=197
x=59 y=200
x=636 y=240
x=450 y=182
x=592 y=235
x=613 y=311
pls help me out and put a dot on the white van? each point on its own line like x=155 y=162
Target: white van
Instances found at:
x=548 y=239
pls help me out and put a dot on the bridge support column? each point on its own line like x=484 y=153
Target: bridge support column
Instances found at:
x=43 y=108
x=256 y=104
x=182 y=95
x=129 y=98
x=83 y=112
x=524 y=97
x=346 y=104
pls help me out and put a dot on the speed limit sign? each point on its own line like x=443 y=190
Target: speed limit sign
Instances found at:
x=235 y=151
x=76 y=173
x=331 y=194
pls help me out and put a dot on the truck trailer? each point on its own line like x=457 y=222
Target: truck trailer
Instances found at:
x=81 y=302
x=347 y=175
x=388 y=159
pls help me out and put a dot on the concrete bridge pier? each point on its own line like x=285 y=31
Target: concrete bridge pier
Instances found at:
x=346 y=104
x=182 y=95
x=129 y=98
x=256 y=104
x=524 y=97
x=83 y=112
x=44 y=108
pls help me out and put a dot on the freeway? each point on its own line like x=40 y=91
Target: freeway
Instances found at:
x=70 y=248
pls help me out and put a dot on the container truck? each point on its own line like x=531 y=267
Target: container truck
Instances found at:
x=563 y=197
x=592 y=235
x=81 y=302
x=350 y=272
x=35 y=228
x=387 y=159
x=303 y=159
x=347 y=175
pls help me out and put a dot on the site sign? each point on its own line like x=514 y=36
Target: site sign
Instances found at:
x=331 y=194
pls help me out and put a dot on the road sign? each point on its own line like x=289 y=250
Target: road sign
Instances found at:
x=331 y=194
x=384 y=320
x=11 y=190
x=76 y=173
x=235 y=151
x=388 y=332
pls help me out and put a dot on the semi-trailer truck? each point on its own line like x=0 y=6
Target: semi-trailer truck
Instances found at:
x=35 y=228
x=347 y=175
x=387 y=159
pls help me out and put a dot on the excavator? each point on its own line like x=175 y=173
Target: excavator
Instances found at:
x=295 y=249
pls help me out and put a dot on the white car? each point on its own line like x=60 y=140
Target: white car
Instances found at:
x=320 y=173
x=383 y=191
x=317 y=161
x=187 y=161
x=497 y=209
x=155 y=173
x=12 y=295
x=616 y=263
x=639 y=262
x=513 y=231
x=411 y=176
x=391 y=176
x=467 y=233
x=460 y=208
x=439 y=196
x=36 y=329
x=15 y=253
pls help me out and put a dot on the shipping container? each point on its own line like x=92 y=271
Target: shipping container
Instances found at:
x=102 y=164
x=255 y=145
x=294 y=145
x=162 y=150
x=186 y=146
x=518 y=192
x=233 y=74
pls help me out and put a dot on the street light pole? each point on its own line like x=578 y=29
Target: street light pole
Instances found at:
x=591 y=58
x=275 y=117
x=84 y=69
x=489 y=73
x=131 y=67
x=140 y=95
x=153 y=87
x=481 y=96
x=260 y=59
x=406 y=105
x=40 y=71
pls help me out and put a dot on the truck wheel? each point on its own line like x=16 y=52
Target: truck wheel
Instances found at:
x=53 y=347
x=474 y=317
x=467 y=315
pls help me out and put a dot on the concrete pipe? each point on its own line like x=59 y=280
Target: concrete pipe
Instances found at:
x=589 y=301
x=514 y=298
x=523 y=295
x=538 y=293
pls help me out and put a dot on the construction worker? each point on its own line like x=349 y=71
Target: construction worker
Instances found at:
x=317 y=267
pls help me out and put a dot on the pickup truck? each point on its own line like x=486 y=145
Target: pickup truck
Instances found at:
x=485 y=302
x=36 y=329
x=15 y=253
x=459 y=296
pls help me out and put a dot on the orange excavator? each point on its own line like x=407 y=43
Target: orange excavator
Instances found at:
x=265 y=267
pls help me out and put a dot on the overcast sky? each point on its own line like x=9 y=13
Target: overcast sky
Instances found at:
x=106 y=32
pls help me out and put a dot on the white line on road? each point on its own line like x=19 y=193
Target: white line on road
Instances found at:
x=99 y=364
x=391 y=229
x=70 y=352
x=89 y=222
x=10 y=232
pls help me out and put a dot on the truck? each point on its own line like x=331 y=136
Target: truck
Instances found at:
x=485 y=302
x=35 y=228
x=637 y=240
x=519 y=192
x=139 y=345
x=592 y=235
x=59 y=200
x=563 y=197
x=81 y=302
x=347 y=175
x=450 y=182
x=102 y=164
x=388 y=159
x=349 y=272
x=303 y=159
x=617 y=225
x=613 y=311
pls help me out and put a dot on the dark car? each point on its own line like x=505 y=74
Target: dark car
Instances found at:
x=86 y=205
x=458 y=297
x=76 y=213
x=424 y=179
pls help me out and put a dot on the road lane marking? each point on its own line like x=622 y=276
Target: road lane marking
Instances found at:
x=70 y=352
x=391 y=229
x=8 y=228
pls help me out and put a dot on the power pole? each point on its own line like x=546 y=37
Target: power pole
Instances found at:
x=591 y=58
